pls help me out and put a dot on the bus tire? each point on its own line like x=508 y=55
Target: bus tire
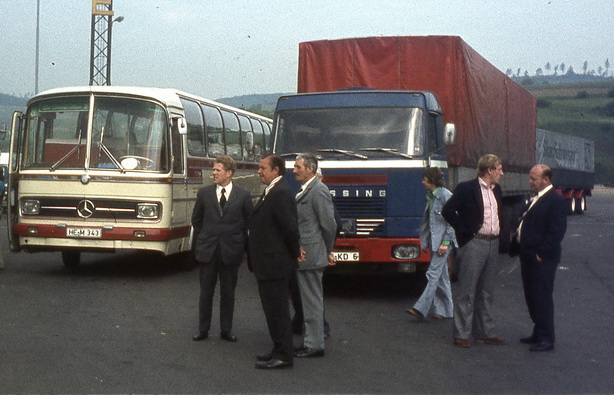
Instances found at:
x=71 y=259
x=184 y=261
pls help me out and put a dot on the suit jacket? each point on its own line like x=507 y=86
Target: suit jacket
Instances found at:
x=544 y=227
x=225 y=228
x=464 y=211
x=316 y=223
x=273 y=234
x=434 y=227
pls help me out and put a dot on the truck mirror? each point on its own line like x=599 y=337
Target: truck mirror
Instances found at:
x=449 y=134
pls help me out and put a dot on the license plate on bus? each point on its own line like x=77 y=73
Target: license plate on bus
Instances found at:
x=346 y=256
x=84 y=233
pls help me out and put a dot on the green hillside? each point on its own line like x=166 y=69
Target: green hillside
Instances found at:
x=584 y=110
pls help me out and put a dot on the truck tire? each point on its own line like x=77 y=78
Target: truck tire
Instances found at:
x=581 y=205
x=571 y=206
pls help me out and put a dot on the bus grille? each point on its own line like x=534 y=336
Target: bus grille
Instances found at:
x=361 y=217
x=94 y=209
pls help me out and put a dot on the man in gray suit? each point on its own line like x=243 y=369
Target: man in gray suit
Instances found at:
x=316 y=221
x=220 y=218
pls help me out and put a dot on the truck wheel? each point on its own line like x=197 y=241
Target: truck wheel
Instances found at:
x=71 y=259
x=571 y=206
x=581 y=205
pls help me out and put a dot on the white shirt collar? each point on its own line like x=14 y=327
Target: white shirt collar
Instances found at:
x=271 y=185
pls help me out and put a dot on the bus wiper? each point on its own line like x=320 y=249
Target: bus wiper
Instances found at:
x=68 y=155
x=389 y=151
x=103 y=148
x=343 y=152
x=289 y=154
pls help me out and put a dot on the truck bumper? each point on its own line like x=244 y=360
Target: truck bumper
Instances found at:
x=379 y=254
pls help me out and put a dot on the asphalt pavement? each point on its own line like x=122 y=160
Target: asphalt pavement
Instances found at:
x=123 y=324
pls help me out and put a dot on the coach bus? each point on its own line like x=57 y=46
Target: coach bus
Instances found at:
x=373 y=148
x=107 y=168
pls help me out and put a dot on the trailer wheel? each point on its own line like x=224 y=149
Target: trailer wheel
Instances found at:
x=581 y=205
x=71 y=259
x=571 y=205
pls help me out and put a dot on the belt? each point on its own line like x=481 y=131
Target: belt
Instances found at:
x=486 y=237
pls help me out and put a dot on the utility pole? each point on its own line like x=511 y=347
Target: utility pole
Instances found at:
x=100 y=49
x=38 y=17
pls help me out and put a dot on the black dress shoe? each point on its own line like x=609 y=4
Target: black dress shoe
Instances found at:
x=228 y=336
x=529 y=340
x=309 y=353
x=200 y=336
x=263 y=357
x=543 y=346
x=273 y=364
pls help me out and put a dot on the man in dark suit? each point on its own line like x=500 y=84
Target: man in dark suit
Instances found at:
x=541 y=231
x=317 y=226
x=273 y=253
x=220 y=218
x=474 y=211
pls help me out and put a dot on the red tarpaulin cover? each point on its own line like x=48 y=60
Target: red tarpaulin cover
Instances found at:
x=492 y=113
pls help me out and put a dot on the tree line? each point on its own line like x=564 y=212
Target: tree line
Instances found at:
x=553 y=70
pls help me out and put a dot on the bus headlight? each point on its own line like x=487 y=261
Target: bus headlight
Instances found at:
x=147 y=211
x=30 y=207
x=406 y=251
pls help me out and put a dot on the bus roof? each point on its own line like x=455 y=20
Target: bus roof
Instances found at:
x=168 y=96
x=360 y=98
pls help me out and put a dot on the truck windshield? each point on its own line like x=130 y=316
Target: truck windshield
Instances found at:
x=127 y=134
x=354 y=129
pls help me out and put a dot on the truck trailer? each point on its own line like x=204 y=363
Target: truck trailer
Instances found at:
x=380 y=110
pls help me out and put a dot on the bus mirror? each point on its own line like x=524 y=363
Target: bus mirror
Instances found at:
x=249 y=142
x=182 y=125
x=449 y=134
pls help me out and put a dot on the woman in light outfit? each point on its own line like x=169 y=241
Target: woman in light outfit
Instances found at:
x=438 y=236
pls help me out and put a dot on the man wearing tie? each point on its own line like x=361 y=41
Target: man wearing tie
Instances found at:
x=317 y=226
x=273 y=253
x=540 y=234
x=220 y=218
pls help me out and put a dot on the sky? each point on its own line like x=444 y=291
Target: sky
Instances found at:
x=225 y=48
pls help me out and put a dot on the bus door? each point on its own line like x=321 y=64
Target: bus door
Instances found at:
x=12 y=185
x=181 y=213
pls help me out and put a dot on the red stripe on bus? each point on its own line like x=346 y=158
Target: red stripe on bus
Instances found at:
x=117 y=233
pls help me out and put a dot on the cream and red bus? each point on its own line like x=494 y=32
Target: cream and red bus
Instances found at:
x=108 y=168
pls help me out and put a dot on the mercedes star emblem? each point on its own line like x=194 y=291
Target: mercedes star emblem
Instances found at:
x=85 y=208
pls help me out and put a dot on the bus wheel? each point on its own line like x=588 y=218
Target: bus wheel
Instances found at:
x=183 y=261
x=71 y=259
x=581 y=205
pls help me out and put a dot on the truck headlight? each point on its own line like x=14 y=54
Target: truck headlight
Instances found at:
x=406 y=251
x=147 y=211
x=30 y=207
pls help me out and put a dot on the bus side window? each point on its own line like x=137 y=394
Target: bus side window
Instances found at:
x=196 y=129
x=258 y=139
x=267 y=138
x=247 y=135
x=177 y=150
x=215 y=130
x=232 y=135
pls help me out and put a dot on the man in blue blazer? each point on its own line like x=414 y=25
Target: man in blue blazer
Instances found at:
x=273 y=253
x=474 y=211
x=541 y=231
x=317 y=226
x=220 y=218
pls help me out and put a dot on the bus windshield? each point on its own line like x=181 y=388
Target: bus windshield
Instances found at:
x=380 y=131
x=127 y=134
